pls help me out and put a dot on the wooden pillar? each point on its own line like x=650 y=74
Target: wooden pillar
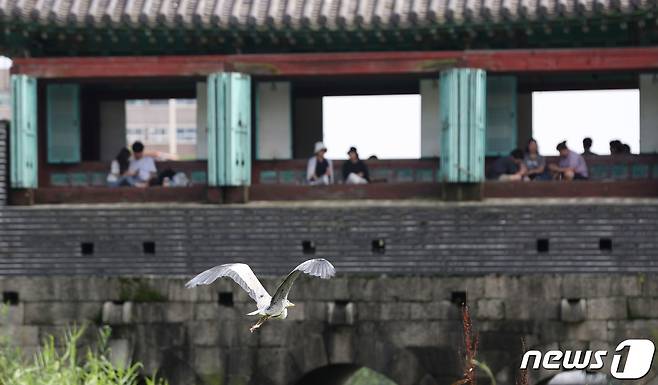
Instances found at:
x=307 y=125
x=430 y=124
x=112 y=128
x=463 y=117
x=229 y=133
x=23 y=133
x=648 y=113
x=201 y=120
x=523 y=118
x=463 y=114
x=273 y=120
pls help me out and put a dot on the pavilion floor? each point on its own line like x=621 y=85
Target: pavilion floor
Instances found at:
x=376 y=191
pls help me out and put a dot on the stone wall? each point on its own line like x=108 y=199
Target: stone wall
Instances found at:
x=526 y=236
x=407 y=328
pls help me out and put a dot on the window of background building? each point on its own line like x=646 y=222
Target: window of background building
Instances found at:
x=166 y=125
x=186 y=135
x=387 y=126
x=602 y=115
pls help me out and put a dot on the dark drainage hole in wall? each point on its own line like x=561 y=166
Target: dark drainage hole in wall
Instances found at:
x=148 y=247
x=458 y=298
x=10 y=297
x=308 y=247
x=225 y=298
x=573 y=301
x=87 y=248
x=542 y=245
x=341 y=303
x=379 y=246
x=605 y=244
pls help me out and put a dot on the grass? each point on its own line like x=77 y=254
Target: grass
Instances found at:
x=66 y=365
x=136 y=290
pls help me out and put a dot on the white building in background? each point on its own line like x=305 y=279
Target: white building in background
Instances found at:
x=167 y=125
x=5 y=97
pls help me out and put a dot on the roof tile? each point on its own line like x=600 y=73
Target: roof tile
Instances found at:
x=315 y=14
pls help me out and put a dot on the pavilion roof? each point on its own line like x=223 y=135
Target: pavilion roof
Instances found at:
x=312 y=25
x=313 y=14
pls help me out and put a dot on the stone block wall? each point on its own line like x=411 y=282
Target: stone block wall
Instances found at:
x=408 y=328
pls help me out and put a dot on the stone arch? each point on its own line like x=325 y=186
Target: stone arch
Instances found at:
x=401 y=366
x=341 y=374
x=409 y=352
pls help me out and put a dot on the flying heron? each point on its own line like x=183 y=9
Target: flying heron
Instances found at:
x=267 y=306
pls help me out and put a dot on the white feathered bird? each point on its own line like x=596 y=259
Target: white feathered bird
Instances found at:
x=267 y=306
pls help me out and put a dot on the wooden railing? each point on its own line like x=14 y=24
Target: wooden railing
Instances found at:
x=94 y=174
x=293 y=172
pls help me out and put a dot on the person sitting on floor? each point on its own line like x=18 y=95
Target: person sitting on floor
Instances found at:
x=535 y=164
x=142 y=168
x=587 y=147
x=616 y=147
x=119 y=169
x=625 y=148
x=355 y=170
x=509 y=168
x=571 y=165
x=319 y=170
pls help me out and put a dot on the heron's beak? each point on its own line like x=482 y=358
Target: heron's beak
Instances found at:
x=290 y=304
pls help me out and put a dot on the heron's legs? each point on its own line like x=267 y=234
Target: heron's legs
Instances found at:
x=259 y=323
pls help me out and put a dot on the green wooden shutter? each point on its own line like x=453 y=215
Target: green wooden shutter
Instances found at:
x=63 y=117
x=229 y=129
x=463 y=113
x=501 y=115
x=213 y=87
x=23 y=132
x=239 y=167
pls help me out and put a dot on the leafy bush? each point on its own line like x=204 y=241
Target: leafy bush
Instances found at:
x=65 y=365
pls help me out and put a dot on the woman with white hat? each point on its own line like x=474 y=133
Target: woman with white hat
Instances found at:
x=319 y=170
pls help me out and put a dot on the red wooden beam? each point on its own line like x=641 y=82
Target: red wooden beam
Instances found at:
x=118 y=66
x=553 y=60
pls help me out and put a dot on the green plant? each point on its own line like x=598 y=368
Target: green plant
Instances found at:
x=53 y=365
x=366 y=376
x=485 y=368
x=137 y=290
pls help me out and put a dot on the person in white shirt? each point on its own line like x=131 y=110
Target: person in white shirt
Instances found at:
x=319 y=170
x=142 y=168
x=119 y=169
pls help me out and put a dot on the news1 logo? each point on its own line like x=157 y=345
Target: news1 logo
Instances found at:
x=638 y=353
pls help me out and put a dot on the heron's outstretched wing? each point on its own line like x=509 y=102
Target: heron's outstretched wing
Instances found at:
x=241 y=274
x=318 y=267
